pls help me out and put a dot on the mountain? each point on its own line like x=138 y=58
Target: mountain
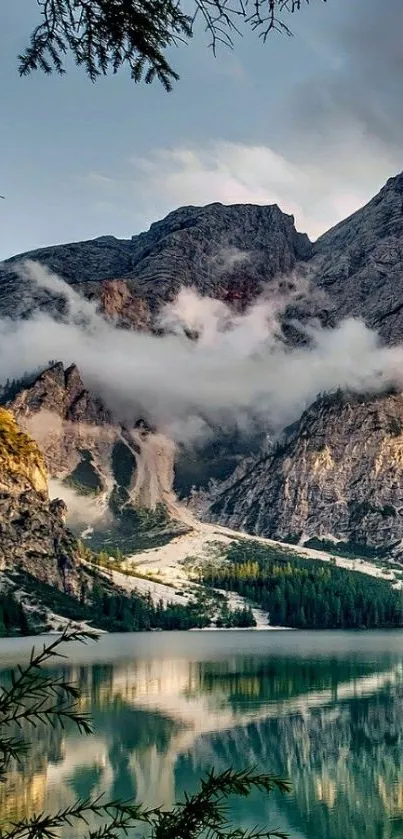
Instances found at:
x=231 y=252
x=336 y=472
x=212 y=248
x=74 y=430
x=119 y=470
x=46 y=576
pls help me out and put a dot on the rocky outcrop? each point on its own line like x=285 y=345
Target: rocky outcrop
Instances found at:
x=73 y=429
x=338 y=472
x=119 y=304
x=33 y=535
x=118 y=470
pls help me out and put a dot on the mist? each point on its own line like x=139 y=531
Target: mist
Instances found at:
x=82 y=511
x=238 y=373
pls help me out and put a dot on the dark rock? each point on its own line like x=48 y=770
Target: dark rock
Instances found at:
x=359 y=263
x=211 y=248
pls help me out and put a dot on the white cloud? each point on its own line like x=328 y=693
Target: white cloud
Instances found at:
x=238 y=373
x=348 y=169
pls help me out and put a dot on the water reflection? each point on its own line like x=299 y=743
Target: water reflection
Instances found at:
x=333 y=724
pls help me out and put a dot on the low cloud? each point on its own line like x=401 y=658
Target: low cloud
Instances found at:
x=83 y=512
x=229 y=258
x=238 y=373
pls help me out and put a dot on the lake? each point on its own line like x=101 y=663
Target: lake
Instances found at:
x=323 y=709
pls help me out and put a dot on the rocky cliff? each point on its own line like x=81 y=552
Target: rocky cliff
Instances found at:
x=116 y=469
x=359 y=263
x=74 y=430
x=33 y=535
x=337 y=472
x=40 y=558
x=231 y=253
x=216 y=249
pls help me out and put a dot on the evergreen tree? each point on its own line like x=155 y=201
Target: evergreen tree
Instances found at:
x=303 y=593
x=104 y=35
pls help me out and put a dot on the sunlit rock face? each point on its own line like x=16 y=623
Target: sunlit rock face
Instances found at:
x=33 y=534
x=74 y=429
x=337 y=472
x=108 y=472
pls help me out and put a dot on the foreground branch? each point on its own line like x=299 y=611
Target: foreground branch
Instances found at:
x=105 y=35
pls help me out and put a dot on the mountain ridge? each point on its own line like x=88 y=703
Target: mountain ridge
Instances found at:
x=231 y=253
x=190 y=247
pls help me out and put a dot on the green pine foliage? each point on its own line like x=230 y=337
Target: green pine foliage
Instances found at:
x=10 y=389
x=102 y=605
x=304 y=593
x=104 y=35
x=350 y=549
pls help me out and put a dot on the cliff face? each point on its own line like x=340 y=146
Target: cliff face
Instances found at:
x=33 y=535
x=120 y=469
x=230 y=253
x=338 y=472
x=74 y=430
x=359 y=263
x=212 y=248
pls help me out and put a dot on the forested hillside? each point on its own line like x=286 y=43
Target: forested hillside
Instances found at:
x=302 y=593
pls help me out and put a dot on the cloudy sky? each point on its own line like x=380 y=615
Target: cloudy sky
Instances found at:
x=313 y=123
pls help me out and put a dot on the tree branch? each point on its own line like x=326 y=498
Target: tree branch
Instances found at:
x=105 y=35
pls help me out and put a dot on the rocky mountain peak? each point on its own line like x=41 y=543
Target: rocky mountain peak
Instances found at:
x=62 y=392
x=69 y=424
x=119 y=467
x=395 y=183
x=359 y=263
x=211 y=248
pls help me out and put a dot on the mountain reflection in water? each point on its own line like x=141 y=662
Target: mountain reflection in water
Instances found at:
x=325 y=711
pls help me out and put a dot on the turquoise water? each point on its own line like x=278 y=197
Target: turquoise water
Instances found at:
x=323 y=709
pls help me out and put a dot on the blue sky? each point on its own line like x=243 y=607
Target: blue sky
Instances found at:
x=313 y=122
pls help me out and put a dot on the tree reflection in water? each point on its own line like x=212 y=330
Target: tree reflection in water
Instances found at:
x=331 y=724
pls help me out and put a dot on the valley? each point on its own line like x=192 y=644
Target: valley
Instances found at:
x=217 y=401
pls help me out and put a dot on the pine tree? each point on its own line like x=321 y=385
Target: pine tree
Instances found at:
x=104 y=35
